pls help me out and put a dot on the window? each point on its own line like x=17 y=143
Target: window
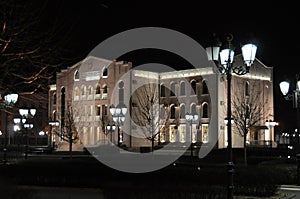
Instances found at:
x=121 y=91
x=172 y=133
x=54 y=115
x=182 y=111
x=76 y=93
x=98 y=110
x=98 y=90
x=173 y=111
x=194 y=109
x=172 y=89
x=83 y=91
x=62 y=105
x=194 y=133
x=204 y=88
x=182 y=88
x=204 y=128
x=105 y=73
x=247 y=92
x=90 y=92
x=76 y=75
x=193 y=87
x=182 y=132
x=104 y=110
x=104 y=91
x=162 y=90
x=163 y=134
x=205 y=110
x=54 y=98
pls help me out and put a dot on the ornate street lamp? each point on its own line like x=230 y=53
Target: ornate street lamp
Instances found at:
x=224 y=60
x=118 y=115
x=8 y=102
x=190 y=118
x=27 y=115
x=295 y=97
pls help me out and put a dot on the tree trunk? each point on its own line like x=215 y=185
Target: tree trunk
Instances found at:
x=70 y=145
x=245 y=150
x=152 y=142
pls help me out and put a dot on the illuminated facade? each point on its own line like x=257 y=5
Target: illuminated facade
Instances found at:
x=94 y=84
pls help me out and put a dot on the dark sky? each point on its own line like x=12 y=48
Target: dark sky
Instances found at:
x=274 y=26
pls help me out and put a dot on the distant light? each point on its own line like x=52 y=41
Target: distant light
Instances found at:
x=41 y=133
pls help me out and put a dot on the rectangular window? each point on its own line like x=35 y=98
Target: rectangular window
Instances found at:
x=182 y=131
x=194 y=133
x=204 y=128
x=104 y=110
x=172 y=133
x=163 y=134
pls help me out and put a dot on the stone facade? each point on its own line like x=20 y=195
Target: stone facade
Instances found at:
x=157 y=103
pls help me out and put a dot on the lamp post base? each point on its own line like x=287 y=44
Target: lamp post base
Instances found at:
x=230 y=171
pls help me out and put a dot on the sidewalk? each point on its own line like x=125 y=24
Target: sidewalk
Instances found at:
x=291 y=191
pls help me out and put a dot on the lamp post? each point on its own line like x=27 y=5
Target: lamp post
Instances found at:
x=190 y=118
x=111 y=128
x=226 y=66
x=118 y=114
x=8 y=102
x=27 y=115
x=295 y=97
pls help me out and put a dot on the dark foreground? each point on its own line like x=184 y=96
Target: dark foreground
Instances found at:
x=188 y=177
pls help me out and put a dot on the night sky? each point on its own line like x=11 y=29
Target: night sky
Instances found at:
x=274 y=27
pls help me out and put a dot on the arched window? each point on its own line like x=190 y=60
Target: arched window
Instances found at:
x=83 y=91
x=172 y=89
x=247 y=91
x=54 y=98
x=62 y=105
x=104 y=91
x=76 y=75
x=162 y=90
x=172 y=112
x=182 y=111
x=76 y=93
x=182 y=88
x=193 y=87
x=194 y=109
x=204 y=88
x=54 y=116
x=205 y=110
x=98 y=90
x=105 y=73
x=90 y=92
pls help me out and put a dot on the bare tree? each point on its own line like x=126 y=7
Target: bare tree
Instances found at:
x=32 y=47
x=248 y=111
x=69 y=133
x=146 y=111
